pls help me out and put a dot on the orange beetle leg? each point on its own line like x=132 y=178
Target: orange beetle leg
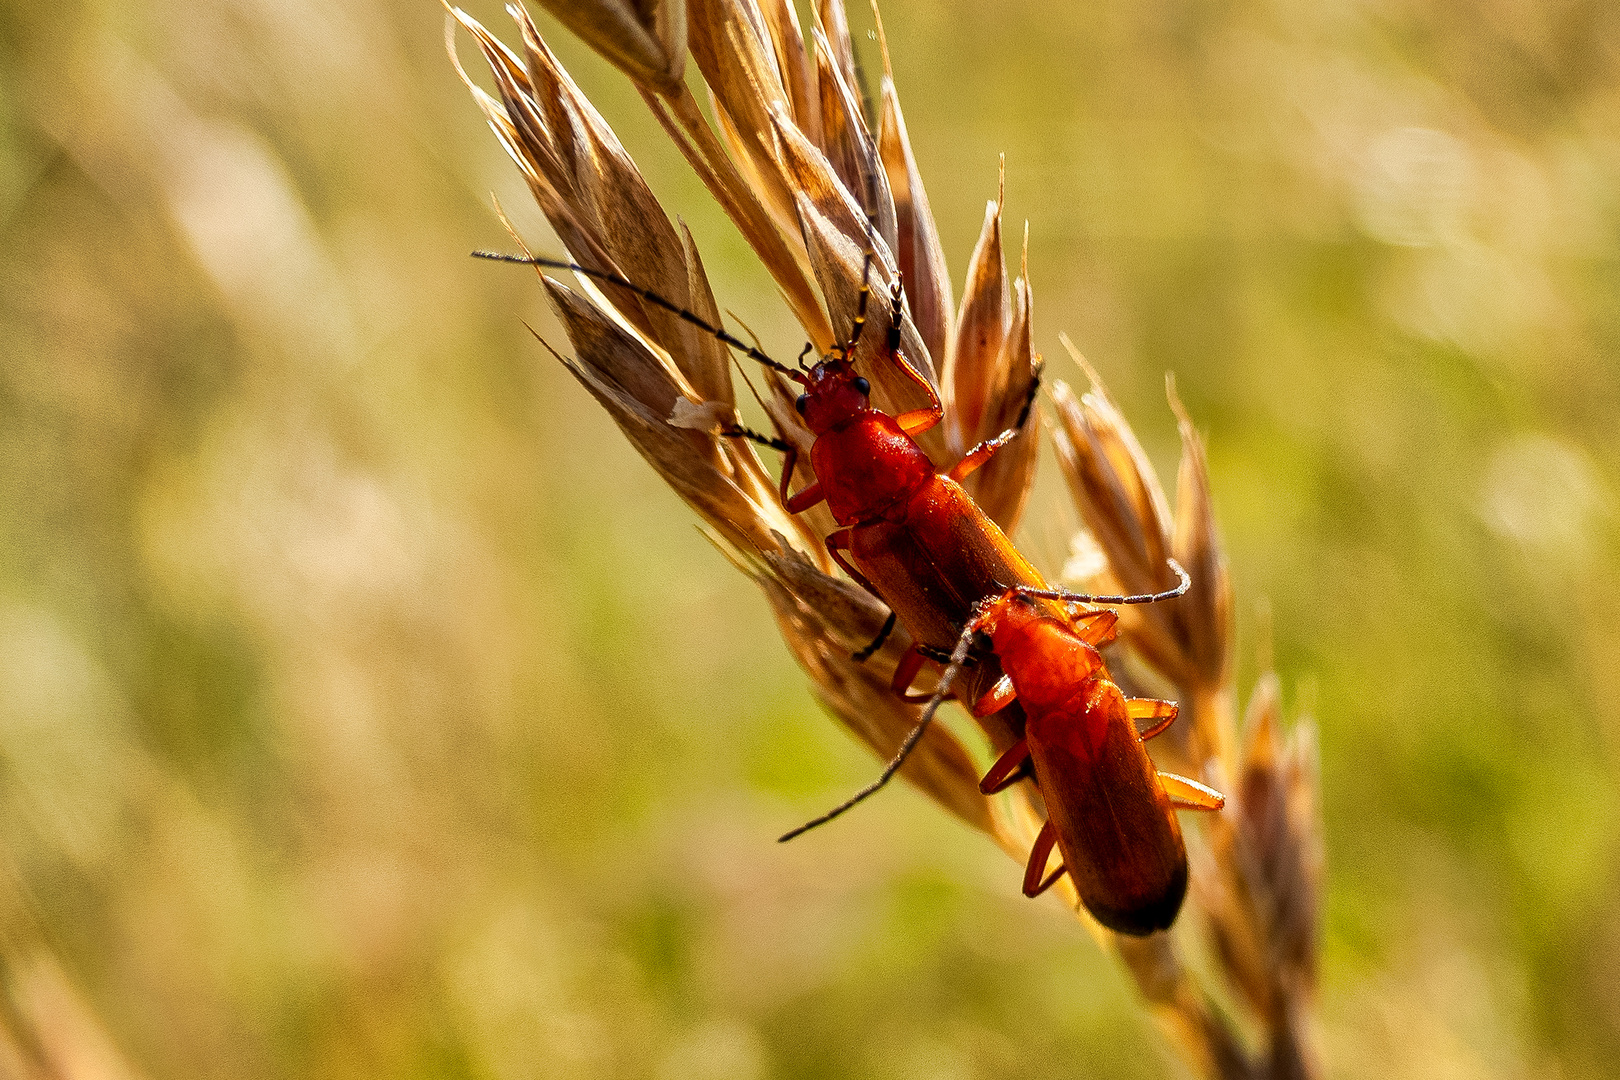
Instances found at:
x=804 y=500
x=1051 y=880
x=1139 y=708
x=987 y=449
x=996 y=698
x=839 y=541
x=1033 y=884
x=1007 y=771
x=1098 y=627
x=789 y=460
x=981 y=454
x=1188 y=794
x=905 y=673
x=917 y=421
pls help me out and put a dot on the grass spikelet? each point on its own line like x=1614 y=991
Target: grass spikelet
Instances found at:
x=646 y=41
x=1260 y=884
x=669 y=390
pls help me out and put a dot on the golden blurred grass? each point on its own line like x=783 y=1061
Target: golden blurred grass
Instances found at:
x=367 y=709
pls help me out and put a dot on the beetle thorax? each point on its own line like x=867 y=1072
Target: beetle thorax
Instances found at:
x=868 y=467
x=1047 y=661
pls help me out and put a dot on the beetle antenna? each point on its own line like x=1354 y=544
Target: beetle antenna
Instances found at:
x=897 y=307
x=751 y=351
x=1182 y=586
x=870 y=206
x=958 y=660
x=860 y=305
x=742 y=371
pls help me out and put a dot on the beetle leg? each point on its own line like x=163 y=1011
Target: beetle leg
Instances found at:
x=916 y=421
x=941 y=691
x=1188 y=794
x=981 y=454
x=1033 y=883
x=1009 y=768
x=1097 y=627
x=905 y=673
x=839 y=541
x=804 y=500
x=1141 y=708
x=987 y=449
x=996 y=698
x=1051 y=880
x=877 y=643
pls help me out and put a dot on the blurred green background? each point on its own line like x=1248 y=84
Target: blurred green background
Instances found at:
x=368 y=709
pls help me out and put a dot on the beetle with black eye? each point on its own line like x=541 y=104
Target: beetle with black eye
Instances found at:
x=862 y=387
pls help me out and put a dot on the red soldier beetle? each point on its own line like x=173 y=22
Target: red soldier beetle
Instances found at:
x=1111 y=814
x=914 y=537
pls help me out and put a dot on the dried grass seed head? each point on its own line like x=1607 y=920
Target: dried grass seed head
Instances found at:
x=1263 y=889
x=992 y=375
x=667 y=383
x=1117 y=491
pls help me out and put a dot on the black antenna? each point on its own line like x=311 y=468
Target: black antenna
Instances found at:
x=848 y=351
x=897 y=298
x=750 y=351
x=958 y=659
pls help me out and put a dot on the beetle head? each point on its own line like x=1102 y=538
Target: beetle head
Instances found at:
x=833 y=393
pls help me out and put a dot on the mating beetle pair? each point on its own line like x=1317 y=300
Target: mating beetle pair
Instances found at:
x=916 y=539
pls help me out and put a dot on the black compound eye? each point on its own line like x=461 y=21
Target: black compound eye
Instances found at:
x=862 y=387
x=804 y=399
